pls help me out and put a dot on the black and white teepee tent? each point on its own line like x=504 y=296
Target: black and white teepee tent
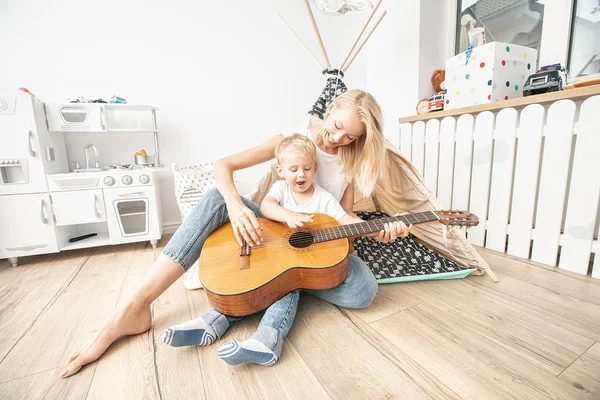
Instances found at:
x=335 y=85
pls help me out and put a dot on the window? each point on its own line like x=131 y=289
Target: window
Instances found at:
x=511 y=21
x=584 y=53
x=562 y=31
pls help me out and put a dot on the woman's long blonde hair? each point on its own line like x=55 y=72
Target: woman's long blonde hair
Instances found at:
x=363 y=159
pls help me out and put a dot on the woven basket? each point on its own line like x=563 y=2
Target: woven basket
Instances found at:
x=191 y=184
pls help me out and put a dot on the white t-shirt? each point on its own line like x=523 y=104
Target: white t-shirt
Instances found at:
x=321 y=201
x=330 y=173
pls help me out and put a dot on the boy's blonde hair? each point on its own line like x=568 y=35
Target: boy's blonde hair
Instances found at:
x=298 y=145
x=363 y=159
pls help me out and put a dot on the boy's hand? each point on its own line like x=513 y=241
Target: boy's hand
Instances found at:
x=296 y=220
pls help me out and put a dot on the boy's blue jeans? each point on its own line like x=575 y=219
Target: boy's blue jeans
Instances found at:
x=357 y=291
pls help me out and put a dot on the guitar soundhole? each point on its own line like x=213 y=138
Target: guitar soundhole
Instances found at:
x=301 y=240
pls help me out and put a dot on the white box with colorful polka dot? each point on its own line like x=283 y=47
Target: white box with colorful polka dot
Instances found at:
x=492 y=72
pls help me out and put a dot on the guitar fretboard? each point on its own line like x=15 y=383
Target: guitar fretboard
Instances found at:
x=375 y=225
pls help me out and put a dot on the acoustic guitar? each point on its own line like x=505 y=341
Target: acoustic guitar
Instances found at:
x=242 y=281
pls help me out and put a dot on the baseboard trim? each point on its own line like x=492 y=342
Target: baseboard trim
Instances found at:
x=171 y=227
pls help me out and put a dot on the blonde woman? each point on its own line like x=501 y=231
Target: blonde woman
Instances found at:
x=350 y=154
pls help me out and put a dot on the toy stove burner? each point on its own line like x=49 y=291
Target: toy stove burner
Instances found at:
x=119 y=166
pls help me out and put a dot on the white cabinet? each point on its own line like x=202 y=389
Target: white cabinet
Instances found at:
x=27 y=225
x=104 y=118
x=78 y=207
x=100 y=117
x=21 y=165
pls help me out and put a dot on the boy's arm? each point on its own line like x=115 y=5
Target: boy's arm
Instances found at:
x=271 y=209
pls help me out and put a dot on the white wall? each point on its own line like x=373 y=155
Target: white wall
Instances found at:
x=414 y=39
x=225 y=75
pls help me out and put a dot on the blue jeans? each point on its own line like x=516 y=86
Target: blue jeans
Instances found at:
x=357 y=290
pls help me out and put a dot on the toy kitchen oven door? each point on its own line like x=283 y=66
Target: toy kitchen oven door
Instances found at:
x=133 y=212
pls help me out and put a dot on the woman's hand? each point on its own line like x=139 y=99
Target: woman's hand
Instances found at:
x=296 y=220
x=244 y=223
x=393 y=230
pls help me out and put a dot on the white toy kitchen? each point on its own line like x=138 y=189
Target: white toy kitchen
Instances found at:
x=47 y=207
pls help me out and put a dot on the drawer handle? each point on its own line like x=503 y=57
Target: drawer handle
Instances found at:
x=27 y=248
x=96 y=206
x=102 y=124
x=29 y=146
x=131 y=194
x=42 y=216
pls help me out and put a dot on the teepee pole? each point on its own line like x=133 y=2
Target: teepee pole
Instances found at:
x=344 y=68
x=360 y=34
x=301 y=43
x=316 y=29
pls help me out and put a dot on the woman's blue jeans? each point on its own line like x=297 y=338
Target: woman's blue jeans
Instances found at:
x=357 y=290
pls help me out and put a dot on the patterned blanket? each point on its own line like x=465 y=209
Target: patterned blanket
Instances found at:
x=405 y=259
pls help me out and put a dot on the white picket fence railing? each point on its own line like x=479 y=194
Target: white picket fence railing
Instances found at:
x=531 y=175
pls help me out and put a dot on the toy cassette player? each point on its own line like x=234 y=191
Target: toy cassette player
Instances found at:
x=547 y=79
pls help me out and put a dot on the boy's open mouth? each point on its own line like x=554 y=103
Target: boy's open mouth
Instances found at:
x=300 y=183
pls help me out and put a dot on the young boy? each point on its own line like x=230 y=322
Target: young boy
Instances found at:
x=292 y=201
x=295 y=199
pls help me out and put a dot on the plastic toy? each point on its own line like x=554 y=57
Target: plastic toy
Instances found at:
x=436 y=101
x=549 y=78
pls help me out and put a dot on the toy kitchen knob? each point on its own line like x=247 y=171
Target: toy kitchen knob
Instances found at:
x=109 y=180
x=144 y=178
x=127 y=180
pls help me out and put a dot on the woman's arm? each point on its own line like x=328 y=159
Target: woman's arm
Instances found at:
x=391 y=230
x=244 y=222
x=223 y=168
x=347 y=201
x=389 y=234
x=349 y=219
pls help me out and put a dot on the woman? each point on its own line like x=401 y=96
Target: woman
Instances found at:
x=350 y=152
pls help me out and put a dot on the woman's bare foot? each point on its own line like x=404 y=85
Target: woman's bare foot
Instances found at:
x=133 y=319
x=130 y=321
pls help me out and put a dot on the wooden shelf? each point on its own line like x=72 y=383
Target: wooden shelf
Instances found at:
x=130 y=107
x=118 y=130
x=572 y=94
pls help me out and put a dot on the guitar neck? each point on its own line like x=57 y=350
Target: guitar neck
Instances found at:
x=375 y=225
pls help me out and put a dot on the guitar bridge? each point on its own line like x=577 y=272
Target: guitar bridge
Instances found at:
x=245 y=251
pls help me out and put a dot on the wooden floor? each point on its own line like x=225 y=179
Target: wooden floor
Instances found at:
x=533 y=335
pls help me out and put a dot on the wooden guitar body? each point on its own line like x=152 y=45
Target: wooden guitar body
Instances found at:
x=239 y=285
